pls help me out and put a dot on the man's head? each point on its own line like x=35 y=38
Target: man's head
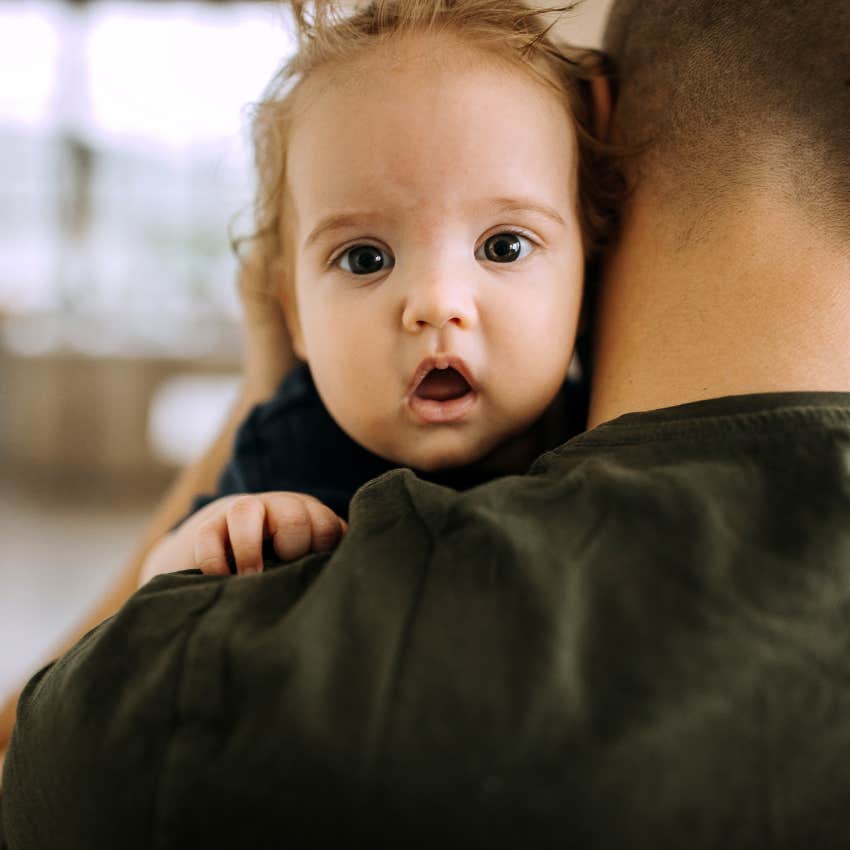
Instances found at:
x=723 y=93
x=730 y=273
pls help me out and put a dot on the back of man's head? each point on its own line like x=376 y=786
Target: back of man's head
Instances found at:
x=719 y=94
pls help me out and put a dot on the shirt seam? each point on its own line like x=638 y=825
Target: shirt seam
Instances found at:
x=387 y=699
x=177 y=722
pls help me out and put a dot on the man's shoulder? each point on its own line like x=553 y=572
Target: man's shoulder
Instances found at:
x=641 y=625
x=769 y=465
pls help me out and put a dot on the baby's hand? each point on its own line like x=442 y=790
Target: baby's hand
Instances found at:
x=237 y=526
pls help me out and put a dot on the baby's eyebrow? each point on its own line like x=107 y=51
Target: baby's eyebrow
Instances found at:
x=513 y=205
x=337 y=221
x=501 y=205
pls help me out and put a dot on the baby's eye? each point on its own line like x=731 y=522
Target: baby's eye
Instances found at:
x=365 y=259
x=505 y=248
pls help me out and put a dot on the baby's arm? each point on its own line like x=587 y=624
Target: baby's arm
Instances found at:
x=234 y=527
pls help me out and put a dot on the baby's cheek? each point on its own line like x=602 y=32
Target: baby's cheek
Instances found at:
x=357 y=399
x=529 y=383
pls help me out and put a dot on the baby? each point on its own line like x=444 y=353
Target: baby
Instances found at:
x=430 y=188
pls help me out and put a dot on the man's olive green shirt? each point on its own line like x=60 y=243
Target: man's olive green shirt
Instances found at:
x=643 y=643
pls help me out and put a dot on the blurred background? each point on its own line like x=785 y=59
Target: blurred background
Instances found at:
x=124 y=168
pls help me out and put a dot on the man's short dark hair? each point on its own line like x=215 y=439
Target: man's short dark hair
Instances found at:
x=719 y=92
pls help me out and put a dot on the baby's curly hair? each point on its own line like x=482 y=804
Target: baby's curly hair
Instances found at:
x=331 y=33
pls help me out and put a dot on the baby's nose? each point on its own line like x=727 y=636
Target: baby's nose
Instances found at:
x=439 y=301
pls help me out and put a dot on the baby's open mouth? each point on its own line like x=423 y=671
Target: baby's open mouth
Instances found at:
x=442 y=396
x=443 y=385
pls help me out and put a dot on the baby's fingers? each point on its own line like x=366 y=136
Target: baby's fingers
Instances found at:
x=327 y=527
x=301 y=524
x=290 y=525
x=237 y=528
x=246 y=517
x=211 y=546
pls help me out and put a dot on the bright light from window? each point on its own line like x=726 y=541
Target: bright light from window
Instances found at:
x=123 y=157
x=179 y=75
x=175 y=74
x=28 y=50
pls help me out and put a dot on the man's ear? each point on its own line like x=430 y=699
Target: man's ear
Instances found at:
x=603 y=102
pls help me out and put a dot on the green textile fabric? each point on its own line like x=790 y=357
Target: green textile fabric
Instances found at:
x=645 y=642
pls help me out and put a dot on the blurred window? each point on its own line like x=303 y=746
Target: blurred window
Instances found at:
x=124 y=161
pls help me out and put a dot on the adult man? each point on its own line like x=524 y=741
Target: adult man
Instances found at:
x=644 y=642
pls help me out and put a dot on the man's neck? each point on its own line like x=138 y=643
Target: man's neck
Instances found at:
x=756 y=299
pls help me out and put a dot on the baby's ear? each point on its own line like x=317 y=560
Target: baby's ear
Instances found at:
x=285 y=288
x=290 y=313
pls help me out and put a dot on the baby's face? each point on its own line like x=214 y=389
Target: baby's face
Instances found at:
x=438 y=254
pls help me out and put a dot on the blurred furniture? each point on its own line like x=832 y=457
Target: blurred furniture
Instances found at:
x=85 y=418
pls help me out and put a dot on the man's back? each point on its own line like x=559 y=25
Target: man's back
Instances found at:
x=643 y=643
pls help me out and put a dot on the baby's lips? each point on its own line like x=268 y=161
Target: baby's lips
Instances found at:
x=443 y=385
x=441 y=362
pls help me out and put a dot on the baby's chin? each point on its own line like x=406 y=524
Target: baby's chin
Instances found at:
x=431 y=455
x=499 y=453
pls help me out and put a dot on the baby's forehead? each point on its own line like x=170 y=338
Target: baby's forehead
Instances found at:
x=428 y=140
x=453 y=180
x=443 y=52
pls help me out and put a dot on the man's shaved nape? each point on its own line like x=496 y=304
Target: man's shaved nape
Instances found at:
x=716 y=93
